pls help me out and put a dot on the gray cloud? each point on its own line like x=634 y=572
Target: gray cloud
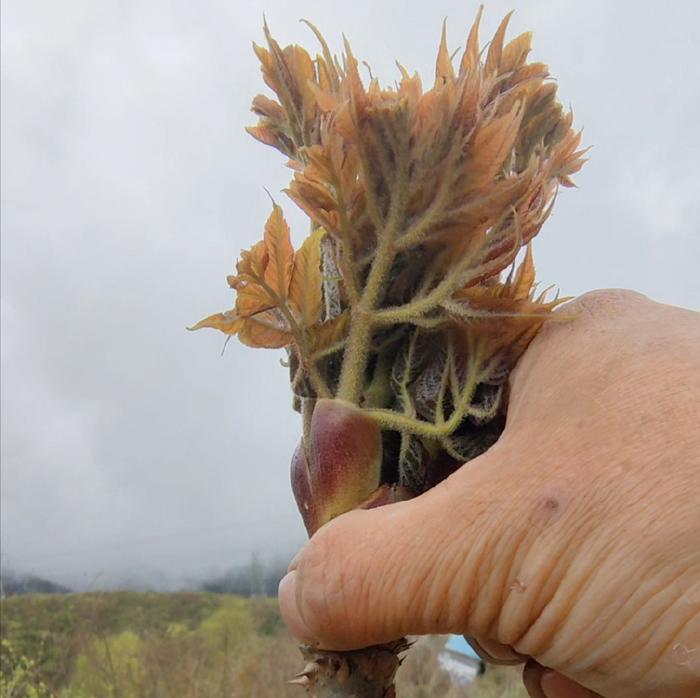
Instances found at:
x=128 y=189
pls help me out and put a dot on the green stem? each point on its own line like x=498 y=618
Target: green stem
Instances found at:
x=319 y=384
x=327 y=351
x=388 y=419
x=362 y=323
x=458 y=277
x=363 y=315
x=378 y=392
x=421 y=306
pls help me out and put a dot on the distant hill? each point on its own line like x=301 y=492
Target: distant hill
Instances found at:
x=13 y=584
x=254 y=579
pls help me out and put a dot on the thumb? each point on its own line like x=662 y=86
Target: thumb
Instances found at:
x=434 y=564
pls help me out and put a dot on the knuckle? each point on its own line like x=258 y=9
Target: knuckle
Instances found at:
x=606 y=301
x=602 y=324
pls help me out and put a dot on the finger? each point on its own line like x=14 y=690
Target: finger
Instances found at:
x=413 y=567
x=532 y=679
x=541 y=682
x=495 y=652
x=556 y=685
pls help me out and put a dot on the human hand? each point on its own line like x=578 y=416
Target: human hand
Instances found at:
x=573 y=543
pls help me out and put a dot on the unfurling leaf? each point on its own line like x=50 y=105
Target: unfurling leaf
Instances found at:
x=306 y=289
x=521 y=285
x=261 y=317
x=495 y=52
x=278 y=271
x=328 y=335
x=493 y=144
x=515 y=53
x=263 y=330
x=228 y=323
x=444 y=70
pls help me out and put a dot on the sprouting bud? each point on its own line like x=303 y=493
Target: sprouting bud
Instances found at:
x=339 y=465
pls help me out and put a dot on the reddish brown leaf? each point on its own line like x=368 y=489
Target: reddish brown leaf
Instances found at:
x=228 y=323
x=524 y=277
x=493 y=57
x=471 y=52
x=326 y=335
x=305 y=291
x=515 y=53
x=492 y=145
x=444 y=71
x=262 y=330
x=278 y=272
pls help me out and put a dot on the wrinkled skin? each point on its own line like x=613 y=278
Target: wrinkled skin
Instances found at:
x=572 y=544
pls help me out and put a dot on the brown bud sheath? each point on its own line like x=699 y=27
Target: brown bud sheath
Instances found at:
x=340 y=466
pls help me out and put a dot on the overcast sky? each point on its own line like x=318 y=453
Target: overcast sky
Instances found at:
x=128 y=189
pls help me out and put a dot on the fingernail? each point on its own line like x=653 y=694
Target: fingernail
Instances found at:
x=495 y=652
x=532 y=678
x=554 y=685
x=289 y=606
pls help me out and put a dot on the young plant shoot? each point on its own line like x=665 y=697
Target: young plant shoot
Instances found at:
x=404 y=310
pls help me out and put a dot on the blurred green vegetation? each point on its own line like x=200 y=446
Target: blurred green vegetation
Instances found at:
x=193 y=645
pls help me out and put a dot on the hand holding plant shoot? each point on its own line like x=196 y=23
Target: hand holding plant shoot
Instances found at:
x=404 y=310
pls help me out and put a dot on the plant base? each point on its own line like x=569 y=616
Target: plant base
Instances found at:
x=366 y=673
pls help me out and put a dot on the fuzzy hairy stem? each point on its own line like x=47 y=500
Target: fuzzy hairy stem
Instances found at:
x=362 y=319
x=318 y=383
x=463 y=273
x=366 y=673
x=407 y=424
x=357 y=350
